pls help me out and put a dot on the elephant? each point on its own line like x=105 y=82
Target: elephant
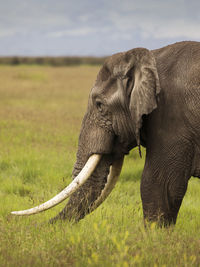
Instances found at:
x=141 y=97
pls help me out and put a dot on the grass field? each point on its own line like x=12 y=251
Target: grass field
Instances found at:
x=41 y=109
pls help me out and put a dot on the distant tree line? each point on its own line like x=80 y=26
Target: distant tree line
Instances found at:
x=53 y=61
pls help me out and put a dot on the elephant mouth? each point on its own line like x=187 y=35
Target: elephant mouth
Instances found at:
x=77 y=182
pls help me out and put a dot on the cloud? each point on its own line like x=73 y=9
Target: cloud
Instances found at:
x=94 y=27
x=158 y=19
x=83 y=31
x=6 y=32
x=176 y=29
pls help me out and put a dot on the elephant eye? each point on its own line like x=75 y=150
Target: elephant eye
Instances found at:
x=99 y=105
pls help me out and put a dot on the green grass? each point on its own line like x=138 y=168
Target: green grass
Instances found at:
x=41 y=109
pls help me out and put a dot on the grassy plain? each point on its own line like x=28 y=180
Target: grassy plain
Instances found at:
x=41 y=109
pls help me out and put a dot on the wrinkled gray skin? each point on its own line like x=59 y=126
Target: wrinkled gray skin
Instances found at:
x=148 y=98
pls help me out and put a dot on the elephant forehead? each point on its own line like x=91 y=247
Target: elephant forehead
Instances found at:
x=114 y=66
x=102 y=87
x=117 y=64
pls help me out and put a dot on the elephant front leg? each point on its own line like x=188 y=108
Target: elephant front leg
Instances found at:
x=159 y=203
x=163 y=186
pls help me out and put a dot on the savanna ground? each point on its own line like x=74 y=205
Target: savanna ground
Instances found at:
x=41 y=109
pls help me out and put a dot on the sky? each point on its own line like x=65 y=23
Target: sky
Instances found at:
x=94 y=27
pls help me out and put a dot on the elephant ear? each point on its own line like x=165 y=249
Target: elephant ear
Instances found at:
x=146 y=87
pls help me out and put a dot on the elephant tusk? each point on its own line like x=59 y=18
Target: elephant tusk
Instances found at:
x=80 y=179
x=112 y=178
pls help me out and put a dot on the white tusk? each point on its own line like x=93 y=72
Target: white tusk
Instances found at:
x=75 y=184
x=112 y=178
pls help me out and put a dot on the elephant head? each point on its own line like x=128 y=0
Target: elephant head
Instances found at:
x=126 y=89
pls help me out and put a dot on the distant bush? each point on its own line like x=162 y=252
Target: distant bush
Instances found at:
x=52 y=61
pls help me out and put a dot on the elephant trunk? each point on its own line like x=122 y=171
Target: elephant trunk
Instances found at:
x=94 y=191
x=112 y=178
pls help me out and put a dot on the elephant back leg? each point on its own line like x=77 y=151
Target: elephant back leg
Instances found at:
x=164 y=181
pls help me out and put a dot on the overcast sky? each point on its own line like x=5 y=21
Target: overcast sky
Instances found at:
x=94 y=27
